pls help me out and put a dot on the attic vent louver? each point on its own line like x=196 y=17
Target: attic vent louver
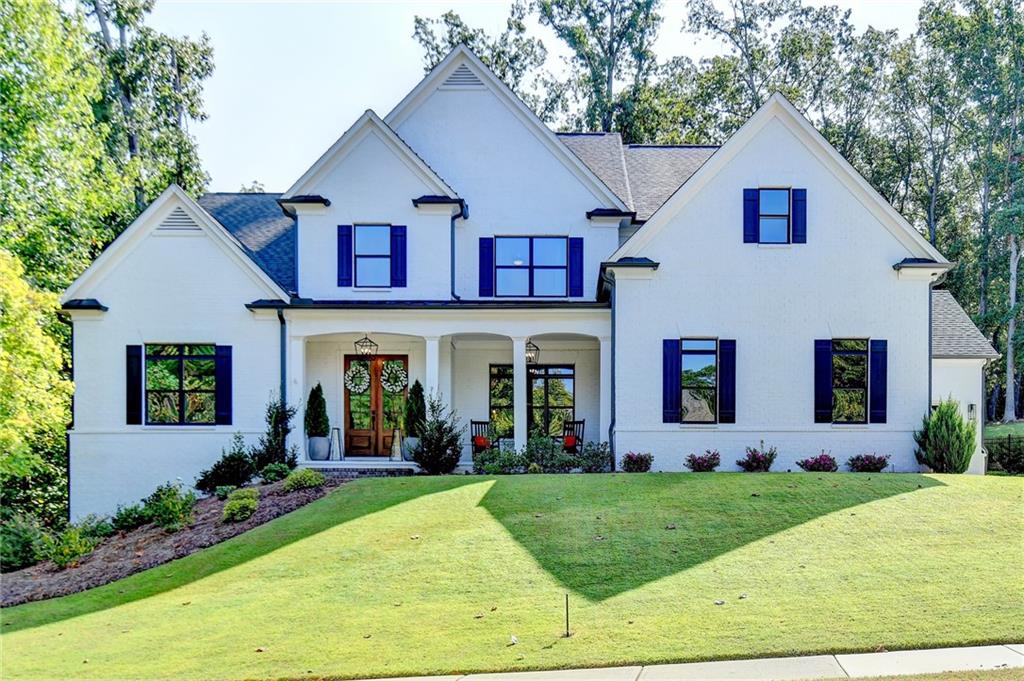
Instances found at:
x=462 y=77
x=178 y=221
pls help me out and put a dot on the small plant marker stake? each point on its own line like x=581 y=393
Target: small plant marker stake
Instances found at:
x=567 y=615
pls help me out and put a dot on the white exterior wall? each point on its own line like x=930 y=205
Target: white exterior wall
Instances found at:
x=963 y=380
x=774 y=301
x=173 y=288
x=373 y=184
x=513 y=184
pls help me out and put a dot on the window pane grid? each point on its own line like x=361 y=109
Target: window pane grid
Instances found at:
x=773 y=216
x=849 y=380
x=698 y=380
x=550 y=399
x=535 y=267
x=372 y=254
x=180 y=384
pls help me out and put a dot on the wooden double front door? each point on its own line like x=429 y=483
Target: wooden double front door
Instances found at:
x=374 y=408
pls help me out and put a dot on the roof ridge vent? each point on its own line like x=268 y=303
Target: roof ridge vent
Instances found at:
x=462 y=77
x=178 y=221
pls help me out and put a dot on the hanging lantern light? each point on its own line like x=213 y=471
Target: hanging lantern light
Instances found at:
x=532 y=352
x=366 y=347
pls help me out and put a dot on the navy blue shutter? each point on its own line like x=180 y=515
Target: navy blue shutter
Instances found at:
x=486 y=267
x=133 y=384
x=823 y=381
x=727 y=381
x=398 y=259
x=799 y=216
x=575 y=267
x=879 y=371
x=750 y=230
x=222 y=384
x=671 y=370
x=344 y=255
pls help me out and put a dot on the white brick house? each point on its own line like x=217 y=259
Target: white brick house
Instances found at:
x=674 y=299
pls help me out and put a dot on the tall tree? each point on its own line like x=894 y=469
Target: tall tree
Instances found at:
x=513 y=55
x=153 y=88
x=610 y=40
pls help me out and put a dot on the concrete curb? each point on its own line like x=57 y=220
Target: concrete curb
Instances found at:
x=900 y=662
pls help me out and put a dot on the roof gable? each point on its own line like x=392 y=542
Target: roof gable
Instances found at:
x=368 y=122
x=779 y=108
x=462 y=69
x=173 y=210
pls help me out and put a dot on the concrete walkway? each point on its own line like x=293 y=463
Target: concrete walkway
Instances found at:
x=783 y=668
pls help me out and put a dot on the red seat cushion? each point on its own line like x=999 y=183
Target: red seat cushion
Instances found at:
x=569 y=441
x=481 y=442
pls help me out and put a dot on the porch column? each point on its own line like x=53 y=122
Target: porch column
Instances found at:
x=519 y=391
x=432 y=371
x=297 y=392
x=605 y=389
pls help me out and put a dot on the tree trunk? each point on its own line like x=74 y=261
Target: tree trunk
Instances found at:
x=1010 y=408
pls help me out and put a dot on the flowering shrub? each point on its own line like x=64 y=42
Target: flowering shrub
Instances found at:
x=758 y=460
x=823 y=463
x=705 y=463
x=637 y=462
x=868 y=463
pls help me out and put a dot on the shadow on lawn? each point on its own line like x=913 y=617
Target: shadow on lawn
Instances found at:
x=349 y=502
x=612 y=535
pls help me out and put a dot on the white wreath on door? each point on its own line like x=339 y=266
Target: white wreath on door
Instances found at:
x=357 y=378
x=393 y=377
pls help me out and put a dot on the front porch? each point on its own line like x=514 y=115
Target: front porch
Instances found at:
x=477 y=362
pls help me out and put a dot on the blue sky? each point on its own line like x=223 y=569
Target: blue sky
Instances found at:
x=291 y=77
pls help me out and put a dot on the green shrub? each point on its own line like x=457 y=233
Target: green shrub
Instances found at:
x=415 y=410
x=497 y=461
x=223 y=491
x=234 y=467
x=637 y=462
x=130 y=517
x=440 y=445
x=67 y=547
x=595 y=457
x=170 y=507
x=21 y=542
x=304 y=478
x=945 y=442
x=316 y=421
x=272 y=446
x=273 y=472
x=246 y=493
x=758 y=460
x=1007 y=453
x=95 y=527
x=534 y=468
x=548 y=455
x=239 y=508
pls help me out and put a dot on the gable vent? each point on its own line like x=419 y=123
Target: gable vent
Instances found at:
x=462 y=77
x=178 y=221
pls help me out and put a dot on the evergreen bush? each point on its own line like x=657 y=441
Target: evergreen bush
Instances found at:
x=317 y=423
x=945 y=442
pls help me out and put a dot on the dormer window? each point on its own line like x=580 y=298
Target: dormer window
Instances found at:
x=773 y=216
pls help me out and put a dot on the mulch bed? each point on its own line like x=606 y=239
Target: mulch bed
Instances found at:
x=126 y=553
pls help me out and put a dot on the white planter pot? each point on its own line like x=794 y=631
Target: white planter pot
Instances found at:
x=319 y=448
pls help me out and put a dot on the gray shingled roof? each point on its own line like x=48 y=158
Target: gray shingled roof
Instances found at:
x=642 y=175
x=953 y=332
x=266 y=233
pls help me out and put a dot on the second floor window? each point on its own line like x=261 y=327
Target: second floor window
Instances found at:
x=373 y=255
x=531 y=266
x=773 y=216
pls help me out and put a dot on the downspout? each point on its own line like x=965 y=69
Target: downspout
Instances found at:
x=611 y=424
x=71 y=424
x=284 y=355
x=464 y=214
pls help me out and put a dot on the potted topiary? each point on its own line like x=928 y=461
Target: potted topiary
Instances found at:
x=415 y=415
x=318 y=427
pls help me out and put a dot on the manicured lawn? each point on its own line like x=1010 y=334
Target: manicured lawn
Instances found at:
x=994 y=430
x=433 y=575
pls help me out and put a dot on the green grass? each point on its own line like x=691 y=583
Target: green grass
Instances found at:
x=994 y=430
x=433 y=575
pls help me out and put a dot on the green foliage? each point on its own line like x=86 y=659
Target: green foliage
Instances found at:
x=95 y=527
x=43 y=493
x=1007 y=453
x=223 y=491
x=637 y=462
x=595 y=457
x=304 y=478
x=317 y=423
x=21 y=542
x=542 y=455
x=170 y=506
x=67 y=547
x=245 y=493
x=235 y=467
x=128 y=518
x=498 y=461
x=945 y=442
x=440 y=445
x=239 y=509
x=273 y=444
x=273 y=472
x=758 y=459
x=547 y=455
x=415 y=410
x=534 y=468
